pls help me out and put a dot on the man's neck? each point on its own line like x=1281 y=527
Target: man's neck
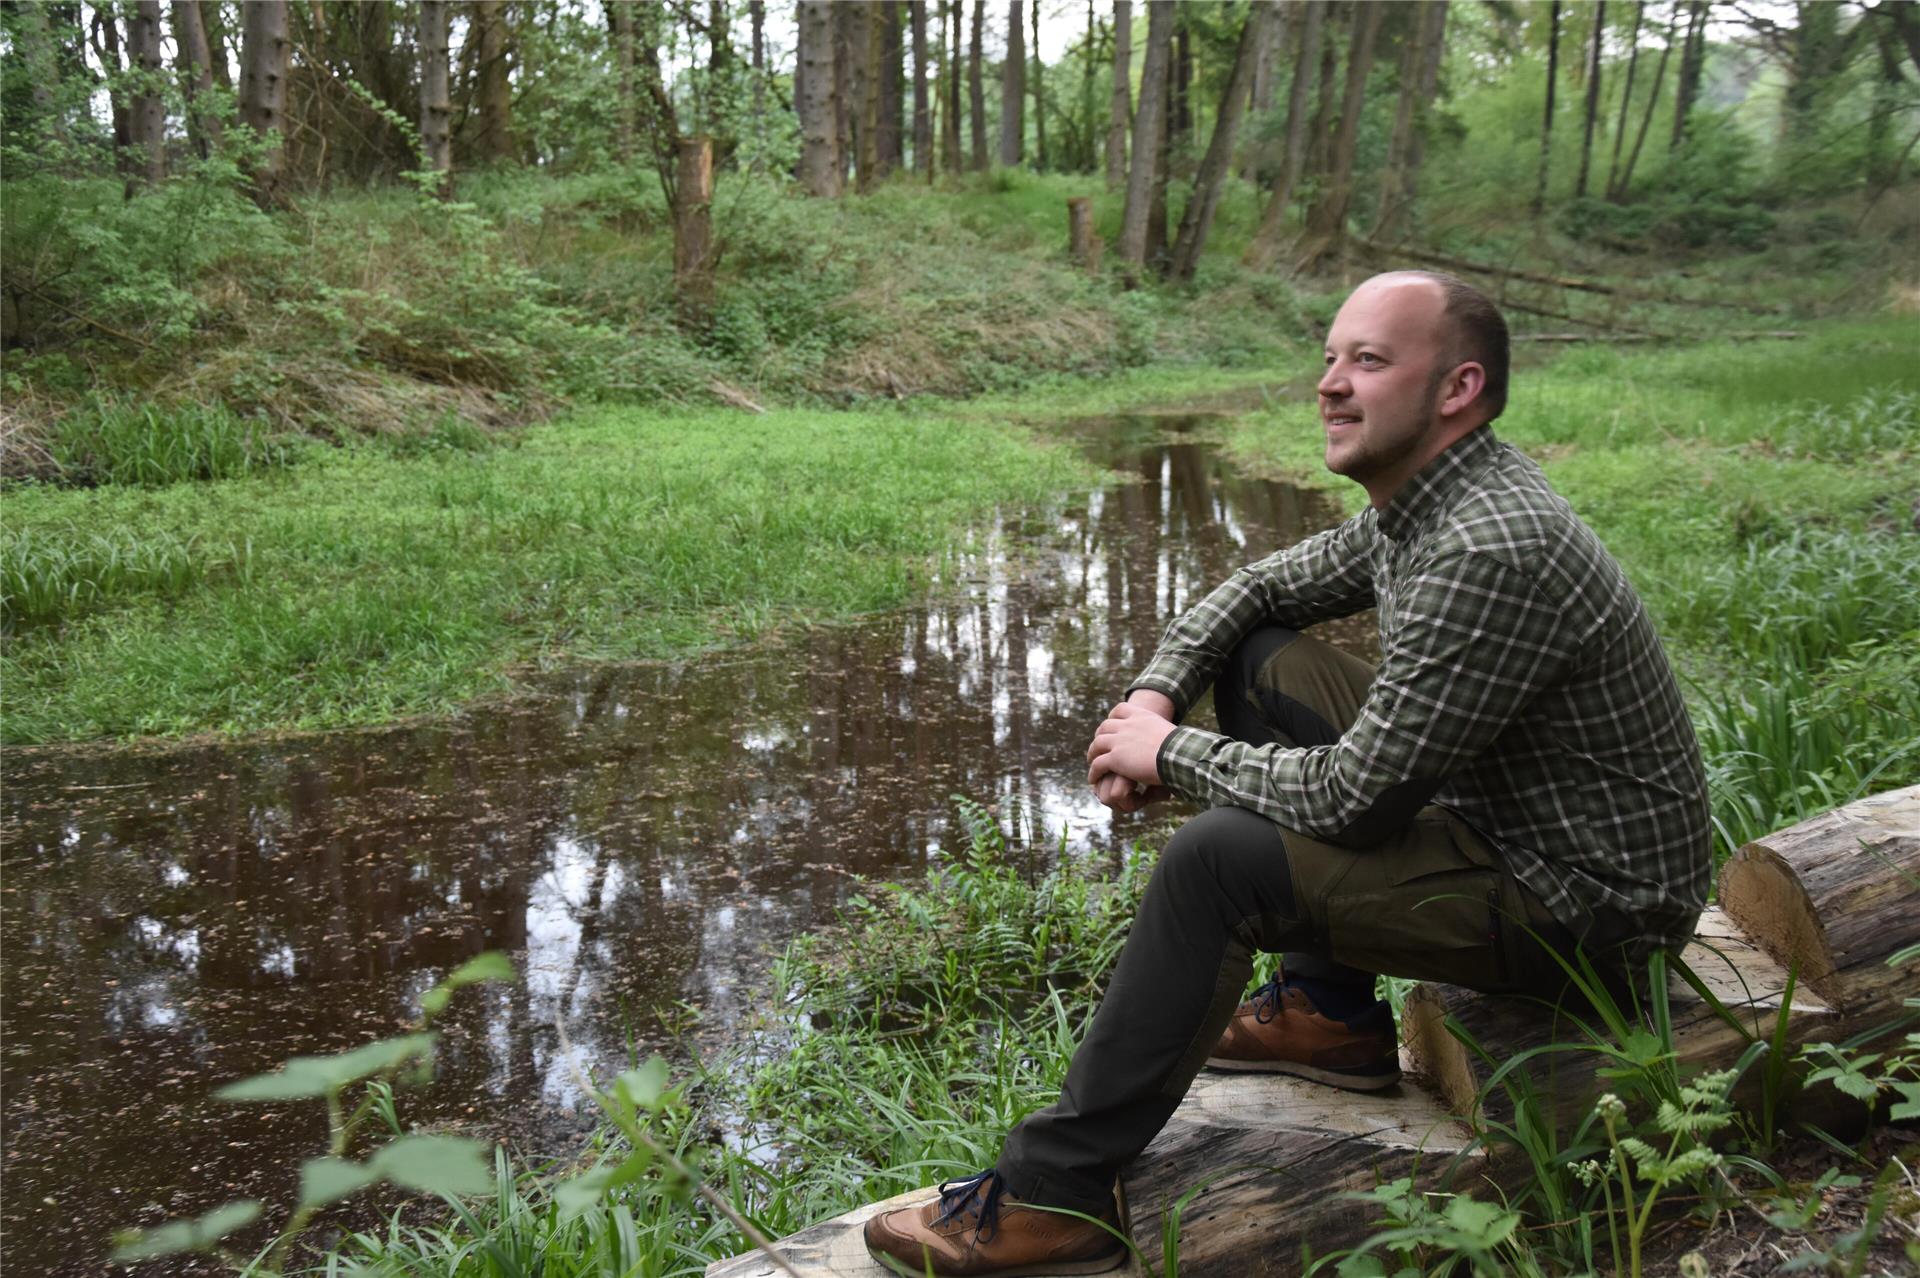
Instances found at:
x=1382 y=489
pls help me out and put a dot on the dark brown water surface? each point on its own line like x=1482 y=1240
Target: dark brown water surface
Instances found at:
x=636 y=837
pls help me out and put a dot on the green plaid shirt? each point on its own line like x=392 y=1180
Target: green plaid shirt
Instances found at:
x=1520 y=684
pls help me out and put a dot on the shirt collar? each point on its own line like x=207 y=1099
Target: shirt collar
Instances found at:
x=1438 y=478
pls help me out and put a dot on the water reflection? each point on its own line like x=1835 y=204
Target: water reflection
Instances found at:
x=636 y=836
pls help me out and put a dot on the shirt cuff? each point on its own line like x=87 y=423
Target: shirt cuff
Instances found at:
x=1166 y=687
x=1180 y=763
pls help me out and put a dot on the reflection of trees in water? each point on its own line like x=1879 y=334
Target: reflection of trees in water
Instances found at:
x=637 y=838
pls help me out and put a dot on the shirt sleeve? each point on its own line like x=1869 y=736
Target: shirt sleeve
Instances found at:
x=1326 y=576
x=1473 y=641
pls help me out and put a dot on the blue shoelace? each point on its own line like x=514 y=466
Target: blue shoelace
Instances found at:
x=957 y=1196
x=1266 y=1000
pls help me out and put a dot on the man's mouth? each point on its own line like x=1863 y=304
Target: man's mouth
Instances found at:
x=1340 y=419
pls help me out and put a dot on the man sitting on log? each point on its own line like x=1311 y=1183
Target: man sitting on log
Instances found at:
x=1519 y=766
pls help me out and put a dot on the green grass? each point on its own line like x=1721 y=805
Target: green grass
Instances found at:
x=371 y=586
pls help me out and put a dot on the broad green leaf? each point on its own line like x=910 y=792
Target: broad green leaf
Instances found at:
x=434 y=1164
x=304 y=1076
x=1908 y=1107
x=491 y=966
x=324 y=1180
x=580 y=1194
x=188 y=1235
x=643 y=1086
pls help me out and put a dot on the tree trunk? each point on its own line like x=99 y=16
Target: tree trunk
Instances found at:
x=1180 y=120
x=887 y=140
x=693 y=231
x=757 y=16
x=436 y=92
x=1197 y=221
x=1327 y=218
x=194 y=59
x=106 y=46
x=976 y=88
x=1434 y=35
x=922 y=104
x=1619 y=192
x=1148 y=124
x=819 y=155
x=863 y=39
x=1594 y=47
x=950 y=126
x=41 y=67
x=620 y=23
x=846 y=90
x=1013 y=88
x=1039 y=99
x=265 y=51
x=1692 y=61
x=1400 y=140
x=1318 y=160
x=493 y=91
x=147 y=118
x=1162 y=171
x=1265 y=245
x=1087 y=158
x=218 y=40
x=1546 y=123
x=1626 y=100
x=1120 y=109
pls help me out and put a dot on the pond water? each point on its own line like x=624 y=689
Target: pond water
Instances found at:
x=638 y=837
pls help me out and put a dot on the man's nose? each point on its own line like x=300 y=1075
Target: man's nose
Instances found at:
x=1333 y=383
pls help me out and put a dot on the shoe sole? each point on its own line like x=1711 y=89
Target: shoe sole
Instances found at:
x=1332 y=1078
x=1058 y=1269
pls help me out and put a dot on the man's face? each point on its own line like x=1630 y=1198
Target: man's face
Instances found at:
x=1380 y=395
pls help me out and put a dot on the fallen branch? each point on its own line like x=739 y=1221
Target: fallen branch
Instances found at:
x=1783 y=335
x=1432 y=258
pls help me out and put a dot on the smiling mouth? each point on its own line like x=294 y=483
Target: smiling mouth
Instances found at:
x=1340 y=419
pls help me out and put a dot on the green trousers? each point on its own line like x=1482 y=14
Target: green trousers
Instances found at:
x=1433 y=902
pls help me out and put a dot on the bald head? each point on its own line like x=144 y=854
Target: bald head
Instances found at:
x=1466 y=325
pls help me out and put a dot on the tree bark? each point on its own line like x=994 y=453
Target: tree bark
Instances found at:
x=976 y=88
x=1149 y=121
x=494 y=91
x=147 y=117
x=950 y=126
x=1197 y=221
x=1265 y=245
x=1327 y=218
x=693 y=231
x=1594 y=48
x=1039 y=98
x=1180 y=120
x=1120 y=108
x=820 y=172
x=1083 y=246
x=1619 y=191
x=922 y=104
x=1693 y=57
x=1546 y=123
x=1013 y=88
x=1400 y=139
x=757 y=16
x=846 y=91
x=106 y=46
x=194 y=58
x=436 y=92
x=1435 y=36
x=863 y=38
x=620 y=24
x=1626 y=100
x=887 y=139
x=265 y=53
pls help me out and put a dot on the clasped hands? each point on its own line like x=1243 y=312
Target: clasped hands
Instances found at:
x=1123 y=761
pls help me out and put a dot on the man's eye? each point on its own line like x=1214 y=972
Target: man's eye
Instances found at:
x=1368 y=357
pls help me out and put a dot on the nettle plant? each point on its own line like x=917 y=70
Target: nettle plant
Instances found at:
x=418 y=1162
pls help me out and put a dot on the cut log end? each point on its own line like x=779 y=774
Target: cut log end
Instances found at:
x=1434 y=1055
x=1761 y=893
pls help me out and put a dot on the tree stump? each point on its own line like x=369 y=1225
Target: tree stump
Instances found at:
x=1083 y=246
x=693 y=231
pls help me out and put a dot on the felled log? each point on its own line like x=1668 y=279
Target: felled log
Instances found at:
x=1270 y=1155
x=1275 y=1156
x=1744 y=977
x=1837 y=895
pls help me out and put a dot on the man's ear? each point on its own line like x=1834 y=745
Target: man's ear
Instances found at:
x=1462 y=387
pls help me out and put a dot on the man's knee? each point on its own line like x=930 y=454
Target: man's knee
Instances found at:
x=1231 y=851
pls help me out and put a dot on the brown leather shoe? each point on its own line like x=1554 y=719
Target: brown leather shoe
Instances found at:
x=975 y=1228
x=1280 y=1031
